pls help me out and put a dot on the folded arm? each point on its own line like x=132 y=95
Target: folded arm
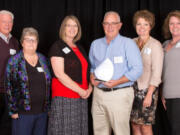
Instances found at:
x=58 y=68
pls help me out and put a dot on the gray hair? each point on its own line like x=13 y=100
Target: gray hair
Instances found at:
x=7 y=12
x=114 y=13
x=30 y=31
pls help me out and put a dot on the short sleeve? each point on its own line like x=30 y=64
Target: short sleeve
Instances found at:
x=56 y=50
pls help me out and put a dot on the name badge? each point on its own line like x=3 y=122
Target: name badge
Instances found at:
x=118 y=59
x=66 y=50
x=40 y=69
x=12 y=51
x=147 y=51
x=178 y=45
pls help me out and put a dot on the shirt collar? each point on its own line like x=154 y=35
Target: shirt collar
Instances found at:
x=118 y=36
x=6 y=39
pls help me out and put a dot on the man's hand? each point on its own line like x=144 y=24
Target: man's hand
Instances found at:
x=111 y=83
x=93 y=81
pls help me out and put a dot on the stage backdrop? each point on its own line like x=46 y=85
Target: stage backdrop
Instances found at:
x=46 y=17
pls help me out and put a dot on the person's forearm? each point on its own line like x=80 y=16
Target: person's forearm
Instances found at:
x=151 y=89
x=69 y=83
x=114 y=83
x=122 y=80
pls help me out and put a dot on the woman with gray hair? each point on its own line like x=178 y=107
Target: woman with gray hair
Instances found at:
x=27 y=82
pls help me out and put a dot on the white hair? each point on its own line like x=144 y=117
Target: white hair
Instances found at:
x=7 y=12
x=112 y=12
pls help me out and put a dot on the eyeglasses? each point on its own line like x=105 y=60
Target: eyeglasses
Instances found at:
x=71 y=26
x=110 y=23
x=30 y=40
x=7 y=22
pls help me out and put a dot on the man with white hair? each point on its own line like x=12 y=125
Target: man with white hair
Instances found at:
x=112 y=100
x=8 y=47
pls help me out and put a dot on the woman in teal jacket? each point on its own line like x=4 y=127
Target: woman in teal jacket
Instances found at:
x=27 y=84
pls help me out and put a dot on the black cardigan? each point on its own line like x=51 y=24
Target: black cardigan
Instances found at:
x=72 y=64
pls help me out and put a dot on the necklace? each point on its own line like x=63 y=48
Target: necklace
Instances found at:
x=32 y=60
x=141 y=43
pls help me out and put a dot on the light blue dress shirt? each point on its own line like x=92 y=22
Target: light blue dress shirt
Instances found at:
x=123 y=53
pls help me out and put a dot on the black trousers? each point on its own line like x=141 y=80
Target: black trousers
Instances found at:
x=173 y=113
x=5 y=120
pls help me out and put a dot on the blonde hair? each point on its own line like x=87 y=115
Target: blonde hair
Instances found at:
x=30 y=31
x=63 y=25
x=165 y=28
x=145 y=14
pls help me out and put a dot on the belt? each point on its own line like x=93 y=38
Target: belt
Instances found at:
x=113 y=89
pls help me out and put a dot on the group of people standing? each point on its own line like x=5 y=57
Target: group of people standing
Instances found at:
x=26 y=81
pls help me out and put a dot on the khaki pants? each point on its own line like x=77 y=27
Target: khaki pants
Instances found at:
x=111 y=111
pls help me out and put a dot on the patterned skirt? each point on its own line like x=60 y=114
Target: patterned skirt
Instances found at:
x=143 y=115
x=68 y=116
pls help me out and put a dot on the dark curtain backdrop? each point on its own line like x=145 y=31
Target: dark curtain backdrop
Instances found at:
x=46 y=16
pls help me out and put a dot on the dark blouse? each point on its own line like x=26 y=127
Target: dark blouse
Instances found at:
x=71 y=61
x=58 y=89
x=17 y=83
x=37 y=88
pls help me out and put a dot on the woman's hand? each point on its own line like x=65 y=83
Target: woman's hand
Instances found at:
x=147 y=100
x=89 y=90
x=83 y=93
x=15 y=116
x=163 y=102
x=86 y=93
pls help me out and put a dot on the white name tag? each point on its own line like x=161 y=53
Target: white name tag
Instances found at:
x=40 y=69
x=118 y=59
x=66 y=50
x=178 y=45
x=12 y=51
x=147 y=51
